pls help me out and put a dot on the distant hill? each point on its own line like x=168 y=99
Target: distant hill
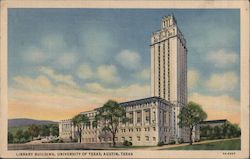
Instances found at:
x=25 y=122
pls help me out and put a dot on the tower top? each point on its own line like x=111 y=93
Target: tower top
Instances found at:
x=168 y=21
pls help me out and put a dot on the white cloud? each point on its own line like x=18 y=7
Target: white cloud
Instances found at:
x=35 y=55
x=143 y=74
x=129 y=59
x=125 y=93
x=108 y=74
x=193 y=78
x=218 y=107
x=95 y=87
x=66 y=60
x=97 y=44
x=84 y=71
x=65 y=79
x=53 y=41
x=40 y=83
x=222 y=58
x=28 y=97
x=222 y=82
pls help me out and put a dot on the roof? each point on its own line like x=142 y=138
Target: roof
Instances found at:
x=213 y=121
x=135 y=102
x=145 y=100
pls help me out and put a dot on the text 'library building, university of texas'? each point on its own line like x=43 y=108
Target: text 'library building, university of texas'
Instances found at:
x=153 y=119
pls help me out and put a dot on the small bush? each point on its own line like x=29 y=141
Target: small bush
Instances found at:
x=56 y=141
x=171 y=142
x=160 y=143
x=180 y=140
x=127 y=143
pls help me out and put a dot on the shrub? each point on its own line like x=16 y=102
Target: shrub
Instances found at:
x=127 y=143
x=56 y=141
x=180 y=140
x=160 y=143
x=171 y=142
x=74 y=140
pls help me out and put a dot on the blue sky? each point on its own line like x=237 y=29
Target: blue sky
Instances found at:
x=106 y=51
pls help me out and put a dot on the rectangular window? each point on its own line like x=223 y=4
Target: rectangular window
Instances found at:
x=123 y=139
x=138 y=117
x=147 y=116
x=147 y=138
x=138 y=138
x=154 y=138
x=130 y=138
x=130 y=117
x=154 y=117
x=164 y=117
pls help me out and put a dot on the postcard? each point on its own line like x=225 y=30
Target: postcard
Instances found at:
x=124 y=79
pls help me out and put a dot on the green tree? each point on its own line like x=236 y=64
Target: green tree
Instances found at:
x=44 y=130
x=54 y=130
x=109 y=116
x=33 y=130
x=10 y=137
x=79 y=121
x=237 y=130
x=225 y=130
x=190 y=116
x=26 y=135
x=217 y=132
x=19 y=135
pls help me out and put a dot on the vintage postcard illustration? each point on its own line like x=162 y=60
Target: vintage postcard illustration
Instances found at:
x=105 y=79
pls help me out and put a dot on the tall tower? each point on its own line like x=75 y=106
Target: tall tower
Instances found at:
x=169 y=68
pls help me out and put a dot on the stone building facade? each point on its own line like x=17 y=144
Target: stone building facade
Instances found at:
x=149 y=123
x=153 y=119
x=169 y=68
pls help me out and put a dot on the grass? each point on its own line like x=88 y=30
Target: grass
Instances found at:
x=233 y=144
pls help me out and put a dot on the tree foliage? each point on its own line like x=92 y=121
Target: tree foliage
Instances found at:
x=109 y=116
x=80 y=121
x=190 y=116
x=54 y=129
x=44 y=130
x=227 y=130
x=10 y=137
x=33 y=130
x=23 y=135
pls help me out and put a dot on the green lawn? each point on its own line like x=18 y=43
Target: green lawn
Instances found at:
x=233 y=144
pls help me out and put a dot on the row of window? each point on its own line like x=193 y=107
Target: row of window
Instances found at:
x=139 y=116
x=89 y=140
x=168 y=71
x=139 y=106
x=159 y=71
x=137 y=129
x=138 y=138
x=130 y=138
